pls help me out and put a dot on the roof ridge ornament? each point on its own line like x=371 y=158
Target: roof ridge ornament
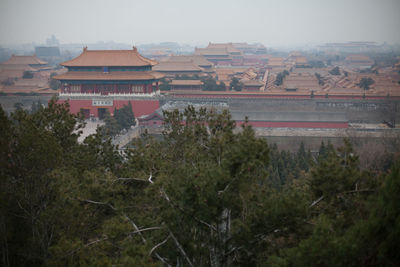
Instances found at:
x=84 y=48
x=134 y=48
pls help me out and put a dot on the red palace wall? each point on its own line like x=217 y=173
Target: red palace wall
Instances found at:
x=139 y=107
x=292 y=124
x=272 y=124
x=285 y=96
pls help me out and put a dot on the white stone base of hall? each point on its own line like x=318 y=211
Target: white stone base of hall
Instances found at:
x=153 y=94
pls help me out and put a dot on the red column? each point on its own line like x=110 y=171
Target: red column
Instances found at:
x=156 y=86
x=144 y=88
x=81 y=88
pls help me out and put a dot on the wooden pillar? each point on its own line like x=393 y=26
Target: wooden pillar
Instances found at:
x=144 y=88
x=80 y=86
x=156 y=86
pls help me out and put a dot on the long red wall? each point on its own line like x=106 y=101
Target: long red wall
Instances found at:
x=139 y=107
x=297 y=124
x=227 y=95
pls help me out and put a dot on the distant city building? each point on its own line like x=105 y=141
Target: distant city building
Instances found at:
x=47 y=51
x=101 y=80
x=350 y=47
x=5 y=53
x=52 y=41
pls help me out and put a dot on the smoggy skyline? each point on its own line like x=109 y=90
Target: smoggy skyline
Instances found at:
x=271 y=22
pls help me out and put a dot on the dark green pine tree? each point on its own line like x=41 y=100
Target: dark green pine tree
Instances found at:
x=302 y=158
x=124 y=116
x=111 y=126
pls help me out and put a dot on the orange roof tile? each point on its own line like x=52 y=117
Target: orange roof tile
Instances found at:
x=102 y=58
x=247 y=82
x=101 y=76
x=227 y=46
x=199 y=60
x=21 y=67
x=358 y=58
x=25 y=60
x=211 y=51
x=186 y=82
x=177 y=66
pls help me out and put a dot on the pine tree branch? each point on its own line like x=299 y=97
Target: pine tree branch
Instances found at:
x=181 y=209
x=137 y=230
x=85 y=245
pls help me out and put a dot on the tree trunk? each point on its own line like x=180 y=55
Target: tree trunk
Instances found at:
x=218 y=257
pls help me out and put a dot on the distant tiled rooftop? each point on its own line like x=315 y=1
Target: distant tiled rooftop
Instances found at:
x=176 y=66
x=101 y=76
x=24 y=60
x=120 y=58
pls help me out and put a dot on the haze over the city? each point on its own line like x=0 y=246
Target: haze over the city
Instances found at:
x=270 y=22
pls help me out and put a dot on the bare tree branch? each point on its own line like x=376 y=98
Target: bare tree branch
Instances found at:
x=150 y=177
x=181 y=209
x=85 y=245
x=315 y=202
x=159 y=244
x=181 y=249
x=130 y=179
x=98 y=203
x=359 y=191
x=137 y=230
x=226 y=187
x=146 y=229
x=95 y=241
x=165 y=194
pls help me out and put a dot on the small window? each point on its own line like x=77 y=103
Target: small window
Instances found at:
x=105 y=69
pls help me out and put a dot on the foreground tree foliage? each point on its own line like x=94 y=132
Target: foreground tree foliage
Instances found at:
x=206 y=194
x=122 y=119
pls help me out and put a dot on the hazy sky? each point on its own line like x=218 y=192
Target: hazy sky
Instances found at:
x=271 y=22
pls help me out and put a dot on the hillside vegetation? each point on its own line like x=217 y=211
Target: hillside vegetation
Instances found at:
x=203 y=195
